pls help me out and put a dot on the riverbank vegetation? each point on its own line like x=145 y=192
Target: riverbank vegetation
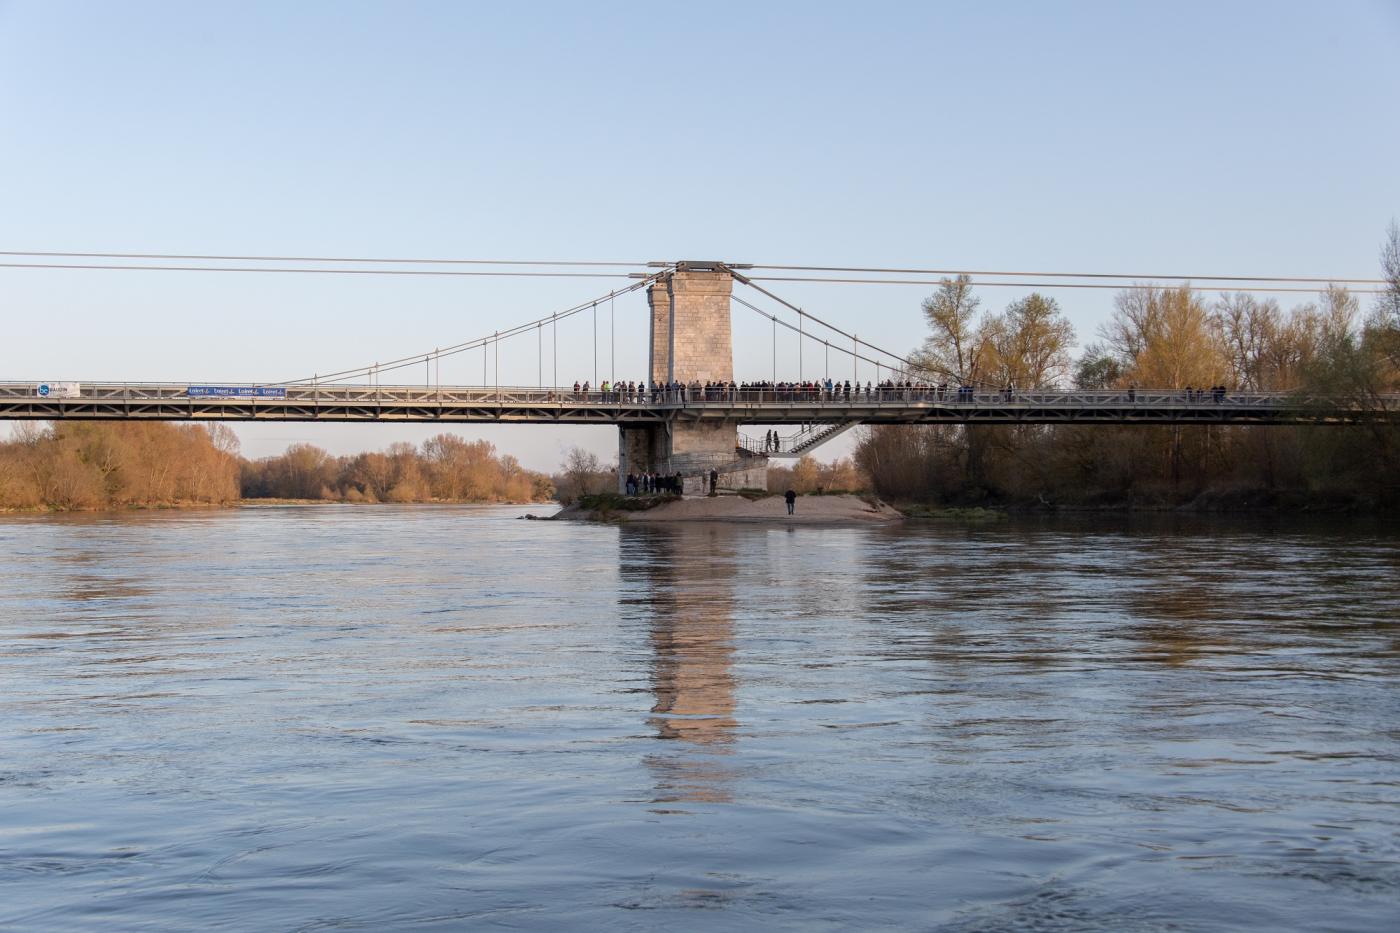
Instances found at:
x=446 y=468
x=1157 y=338
x=583 y=473
x=806 y=476
x=76 y=465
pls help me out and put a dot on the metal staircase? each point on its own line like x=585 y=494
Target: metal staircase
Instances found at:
x=809 y=438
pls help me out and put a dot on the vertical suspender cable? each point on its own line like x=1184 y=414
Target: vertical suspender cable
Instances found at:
x=555 y=341
x=497 y=344
x=799 y=347
x=612 y=337
x=855 y=359
x=595 y=344
x=484 y=381
x=539 y=339
x=775 y=349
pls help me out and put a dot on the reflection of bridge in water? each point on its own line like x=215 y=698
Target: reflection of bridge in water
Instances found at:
x=687 y=576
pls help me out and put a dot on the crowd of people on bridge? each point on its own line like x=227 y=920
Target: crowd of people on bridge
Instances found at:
x=825 y=390
x=1217 y=394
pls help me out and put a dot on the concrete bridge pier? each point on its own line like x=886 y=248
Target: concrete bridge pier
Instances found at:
x=691 y=341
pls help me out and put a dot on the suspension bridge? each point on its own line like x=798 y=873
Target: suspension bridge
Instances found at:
x=688 y=419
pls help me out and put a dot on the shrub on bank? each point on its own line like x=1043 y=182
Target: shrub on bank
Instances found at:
x=617 y=502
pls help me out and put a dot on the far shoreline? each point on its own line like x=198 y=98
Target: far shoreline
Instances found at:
x=872 y=510
x=768 y=510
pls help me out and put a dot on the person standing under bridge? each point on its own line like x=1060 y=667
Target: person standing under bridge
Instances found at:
x=790 y=497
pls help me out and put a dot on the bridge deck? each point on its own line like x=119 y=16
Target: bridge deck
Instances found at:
x=458 y=404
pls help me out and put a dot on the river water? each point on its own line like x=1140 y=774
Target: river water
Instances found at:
x=372 y=718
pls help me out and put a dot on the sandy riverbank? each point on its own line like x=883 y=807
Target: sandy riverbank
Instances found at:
x=810 y=510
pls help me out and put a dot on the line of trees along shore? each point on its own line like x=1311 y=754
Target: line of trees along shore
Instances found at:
x=446 y=468
x=92 y=465
x=1157 y=337
x=77 y=465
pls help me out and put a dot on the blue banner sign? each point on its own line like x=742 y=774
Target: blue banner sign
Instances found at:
x=236 y=392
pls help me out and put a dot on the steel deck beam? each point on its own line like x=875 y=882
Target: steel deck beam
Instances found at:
x=458 y=405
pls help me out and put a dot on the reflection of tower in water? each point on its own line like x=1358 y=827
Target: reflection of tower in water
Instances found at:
x=687 y=575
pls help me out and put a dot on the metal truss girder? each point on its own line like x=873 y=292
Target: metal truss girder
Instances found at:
x=542 y=406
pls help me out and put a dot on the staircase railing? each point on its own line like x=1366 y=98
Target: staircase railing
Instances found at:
x=794 y=445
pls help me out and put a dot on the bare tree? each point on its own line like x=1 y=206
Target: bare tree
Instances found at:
x=1165 y=337
x=1389 y=301
x=1385 y=323
x=950 y=350
x=1029 y=343
x=582 y=474
x=223 y=438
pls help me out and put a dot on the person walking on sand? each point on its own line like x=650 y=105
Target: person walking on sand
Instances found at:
x=791 y=498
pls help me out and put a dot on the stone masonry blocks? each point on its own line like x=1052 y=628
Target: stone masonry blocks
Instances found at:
x=701 y=341
x=691 y=341
x=659 y=304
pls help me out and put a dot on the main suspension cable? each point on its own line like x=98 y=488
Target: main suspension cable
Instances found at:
x=481 y=342
x=1077 y=275
x=927 y=283
x=805 y=314
x=369 y=259
x=909 y=365
x=306 y=271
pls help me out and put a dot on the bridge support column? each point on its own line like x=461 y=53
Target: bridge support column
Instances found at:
x=690 y=449
x=691 y=341
x=641 y=449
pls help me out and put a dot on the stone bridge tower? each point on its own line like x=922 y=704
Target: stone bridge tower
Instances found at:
x=691 y=341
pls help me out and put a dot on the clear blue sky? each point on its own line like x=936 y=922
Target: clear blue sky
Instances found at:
x=1241 y=137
